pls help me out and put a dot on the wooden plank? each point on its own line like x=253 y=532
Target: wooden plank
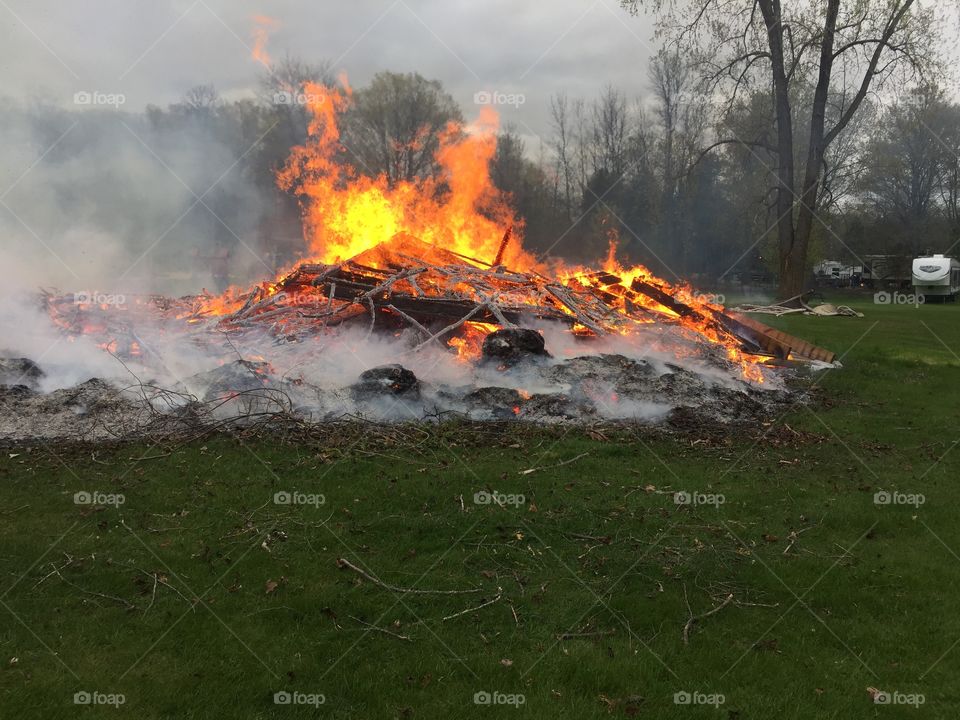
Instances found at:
x=758 y=335
x=797 y=346
x=748 y=341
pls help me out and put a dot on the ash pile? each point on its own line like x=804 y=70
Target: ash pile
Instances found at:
x=515 y=378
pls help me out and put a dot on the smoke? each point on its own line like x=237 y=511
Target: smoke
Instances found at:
x=26 y=331
x=319 y=374
x=105 y=199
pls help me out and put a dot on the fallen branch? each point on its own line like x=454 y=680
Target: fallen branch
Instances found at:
x=56 y=570
x=344 y=563
x=551 y=467
x=409 y=319
x=694 y=619
x=153 y=595
x=126 y=603
x=794 y=536
x=478 y=607
x=450 y=328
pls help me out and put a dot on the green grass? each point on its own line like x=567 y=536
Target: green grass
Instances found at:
x=253 y=601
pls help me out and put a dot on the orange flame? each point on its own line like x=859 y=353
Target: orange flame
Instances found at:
x=262 y=27
x=346 y=213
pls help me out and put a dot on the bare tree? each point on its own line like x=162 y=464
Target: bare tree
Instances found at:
x=609 y=138
x=563 y=146
x=843 y=48
x=949 y=184
x=906 y=161
x=683 y=117
x=394 y=125
x=200 y=100
x=285 y=81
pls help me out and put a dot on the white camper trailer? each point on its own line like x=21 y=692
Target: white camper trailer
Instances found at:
x=936 y=276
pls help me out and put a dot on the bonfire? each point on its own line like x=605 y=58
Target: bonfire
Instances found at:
x=438 y=263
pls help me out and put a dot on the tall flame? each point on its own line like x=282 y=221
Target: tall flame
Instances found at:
x=346 y=213
x=262 y=27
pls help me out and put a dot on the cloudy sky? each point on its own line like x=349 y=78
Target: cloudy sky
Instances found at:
x=152 y=51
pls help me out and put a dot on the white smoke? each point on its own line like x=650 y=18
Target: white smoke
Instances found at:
x=105 y=199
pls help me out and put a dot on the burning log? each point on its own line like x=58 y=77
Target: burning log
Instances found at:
x=503 y=246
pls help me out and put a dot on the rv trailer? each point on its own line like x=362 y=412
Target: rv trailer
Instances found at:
x=936 y=276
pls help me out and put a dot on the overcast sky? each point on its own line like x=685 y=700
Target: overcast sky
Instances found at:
x=152 y=51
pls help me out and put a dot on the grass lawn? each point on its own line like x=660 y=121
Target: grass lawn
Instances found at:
x=386 y=591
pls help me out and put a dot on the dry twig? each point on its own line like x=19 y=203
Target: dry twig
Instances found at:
x=694 y=619
x=344 y=563
x=478 y=607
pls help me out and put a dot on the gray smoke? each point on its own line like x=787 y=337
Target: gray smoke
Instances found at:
x=101 y=199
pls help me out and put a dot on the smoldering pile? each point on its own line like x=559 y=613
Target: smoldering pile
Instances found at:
x=516 y=378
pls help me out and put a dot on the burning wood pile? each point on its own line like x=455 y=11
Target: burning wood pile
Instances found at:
x=622 y=344
x=451 y=300
x=420 y=273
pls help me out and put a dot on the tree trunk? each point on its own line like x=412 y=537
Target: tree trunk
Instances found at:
x=785 y=180
x=793 y=260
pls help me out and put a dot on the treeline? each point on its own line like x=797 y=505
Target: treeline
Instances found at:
x=671 y=177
